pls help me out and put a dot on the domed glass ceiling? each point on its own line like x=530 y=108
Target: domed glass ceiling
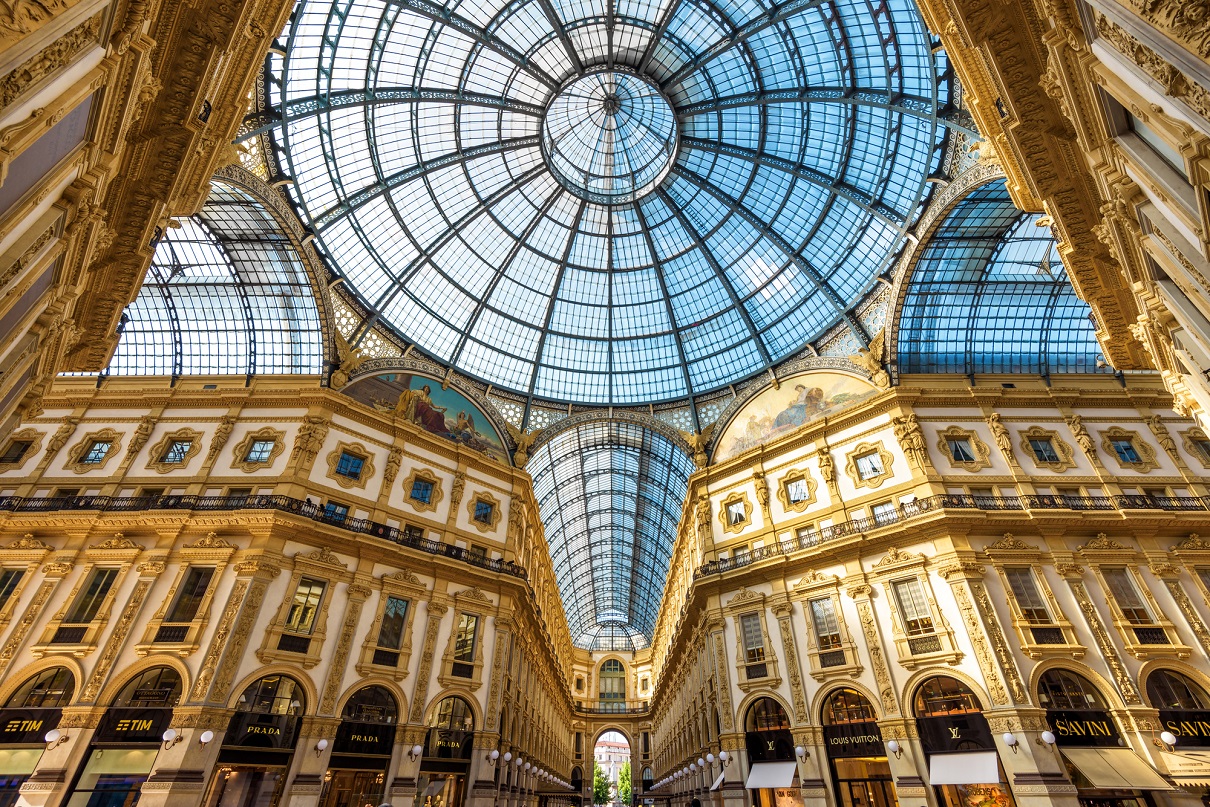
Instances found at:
x=608 y=201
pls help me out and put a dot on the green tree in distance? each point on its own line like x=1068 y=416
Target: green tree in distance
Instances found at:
x=625 y=788
x=600 y=785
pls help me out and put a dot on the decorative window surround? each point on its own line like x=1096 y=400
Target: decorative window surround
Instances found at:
x=32 y=436
x=207 y=551
x=321 y=564
x=357 y=450
x=748 y=602
x=25 y=553
x=724 y=512
x=1194 y=440
x=814 y=586
x=1012 y=551
x=896 y=567
x=80 y=449
x=1066 y=459
x=980 y=449
x=473 y=602
x=240 y=453
x=783 y=490
x=434 y=499
x=407 y=586
x=862 y=449
x=156 y=462
x=1147 y=461
x=483 y=496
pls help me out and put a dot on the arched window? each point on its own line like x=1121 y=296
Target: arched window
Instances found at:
x=372 y=704
x=273 y=695
x=1060 y=689
x=648 y=779
x=1167 y=689
x=848 y=706
x=454 y=713
x=577 y=778
x=51 y=689
x=159 y=687
x=613 y=680
x=945 y=696
x=766 y=714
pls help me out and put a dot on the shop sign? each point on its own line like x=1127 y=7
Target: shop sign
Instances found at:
x=1191 y=726
x=27 y=726
x=364 y=738
x=770 y=746
x=854 y=740
x=942 y=734
x=253 y=730
x=1086 y=727
x=448 y=744
x=133 y=725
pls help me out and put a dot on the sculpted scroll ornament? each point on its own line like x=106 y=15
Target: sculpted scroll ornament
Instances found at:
x=238 y=642
x=1190 y=613
x=865 y=613
x=21 y=630
x=724 y=683
x=796 y=692
x=1121 y=676
x=340 y=658
x=436 y=611
x=116 y=639
x=218 y=642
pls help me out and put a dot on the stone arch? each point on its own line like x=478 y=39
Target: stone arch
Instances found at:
x=741 y=710
x=298 y=675
x=908 y=692
x=117 y=682
x=430 y=713
x=1104 y=686
x=1184 y=668
x=14 y=681
x=822 y=696
x=401 y=700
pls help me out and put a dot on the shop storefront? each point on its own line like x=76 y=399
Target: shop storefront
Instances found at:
x=447 y=755
x=258 y=744
x=1184 y=709
x=772 y=769
x=33 y=710
x=1104 y=770
x=964 y=767
x=127 y=740
x=861 y=774
x=361 y=752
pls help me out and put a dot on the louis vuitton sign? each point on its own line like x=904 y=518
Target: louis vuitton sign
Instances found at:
x=942 y=734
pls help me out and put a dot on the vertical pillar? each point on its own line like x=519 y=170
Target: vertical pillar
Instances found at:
x=48 y=785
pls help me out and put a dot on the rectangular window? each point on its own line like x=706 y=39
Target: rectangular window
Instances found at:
x=1203 y=448
x=827 y=627
x=305 y=608
x=913 y=606
x=1124 y=448
x=869 y=465
x=96 y=452
x=176 y=452
x=15 y=452
x=1159 y=145
x=796 y=490
x=260 y=451
x=483 y=511
x=1123 y=591
x=350 y=465
x=736 y=513
x=465 y=636
x=884 y=513
x=413 y=533
x=9 y=578
x=335 y=511
x=192 y=592
x=1044 y=450
x=89 y=600
x=643 y=685
x=754 y=640
x=394 y=617
x=960 y=449
x=422 y=491
x=1029 y=598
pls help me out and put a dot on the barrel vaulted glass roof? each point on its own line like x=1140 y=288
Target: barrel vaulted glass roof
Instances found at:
x=610 y=497
x=989 y=294
x=227 y=293
x=608 y=201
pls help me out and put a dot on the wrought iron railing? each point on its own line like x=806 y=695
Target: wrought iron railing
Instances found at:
x=304 y=509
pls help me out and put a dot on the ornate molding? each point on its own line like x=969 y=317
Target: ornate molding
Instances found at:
x=783 y=490
x=982 y=453
x=862 y=450
x=435 y=496
x=156 y=461
x=1147 y=461
x=240 y=453
x=1121 y=676
x=55 y=55
x=353 y=450
x=78 y=451
x=1066 y=458
x=1010 y=543
x=736 y=497
x=493 y=519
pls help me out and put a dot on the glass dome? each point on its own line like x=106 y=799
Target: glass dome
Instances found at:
x=608 y=203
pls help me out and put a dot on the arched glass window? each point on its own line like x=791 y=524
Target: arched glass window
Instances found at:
x=945 y=696
x=159 y=687
x=1167 y=689
x=51 y=689
x=766 y=715
x=273 y=695
x=454 y=713
x=577 y=778
x=1060 y=689
x=373 y=704
x=613 y=680
x=848 y=706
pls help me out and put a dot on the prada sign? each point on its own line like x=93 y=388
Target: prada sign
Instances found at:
x=942 y=734
x=252 y=730
x=133 y=725
x=1190 y=725
x=374 y=739
x=770 y=746
x=854 y=740
x=27 y=726
x=448 y=744
x=1090 y=727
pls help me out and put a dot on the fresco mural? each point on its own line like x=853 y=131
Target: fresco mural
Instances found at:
x=421 y=400
x=801 y=399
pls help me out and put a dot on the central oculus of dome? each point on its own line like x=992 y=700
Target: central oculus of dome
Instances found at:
x=609 y=137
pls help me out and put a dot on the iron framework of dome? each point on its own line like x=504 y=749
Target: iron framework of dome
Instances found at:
x=606 y=209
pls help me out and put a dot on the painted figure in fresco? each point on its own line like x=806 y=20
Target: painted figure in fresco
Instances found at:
x=428 y=414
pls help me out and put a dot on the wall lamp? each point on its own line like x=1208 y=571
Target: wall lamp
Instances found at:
x=320 y=747
x=895 y=748
x=55 y=738
x=415 y=751
x=724 y=758
x=171 y=737
x=802 y=753
x=1010 y=740
x=1166 y=740
x=493 y=756
x=1046 y=738
x=206 y=737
